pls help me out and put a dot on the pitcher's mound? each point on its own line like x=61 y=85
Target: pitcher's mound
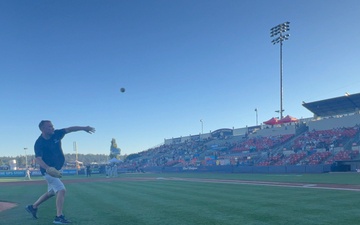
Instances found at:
x=6 y=205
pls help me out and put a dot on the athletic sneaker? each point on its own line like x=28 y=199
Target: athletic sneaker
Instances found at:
x=31 y=210
x=61 y=220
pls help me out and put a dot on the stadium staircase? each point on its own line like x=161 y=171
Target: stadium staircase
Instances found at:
x=355 y=139
x=279 y=149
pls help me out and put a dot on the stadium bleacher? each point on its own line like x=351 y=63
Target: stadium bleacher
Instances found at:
x=311 y=141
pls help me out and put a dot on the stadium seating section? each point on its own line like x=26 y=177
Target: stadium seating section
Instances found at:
x=309 y=147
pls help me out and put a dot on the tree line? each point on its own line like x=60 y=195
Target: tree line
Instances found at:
x=86 y=159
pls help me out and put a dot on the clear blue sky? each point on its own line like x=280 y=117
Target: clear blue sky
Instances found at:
x=180 y=61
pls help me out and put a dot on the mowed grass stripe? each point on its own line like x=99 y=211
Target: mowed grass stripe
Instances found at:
x=199 y=201
x=179 y=202
x=155 y=202
x=142 y=203
x=118 y=201
x=150 y=201
x=243 y=203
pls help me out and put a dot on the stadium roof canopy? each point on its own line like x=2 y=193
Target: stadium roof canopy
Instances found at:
x=335 y=106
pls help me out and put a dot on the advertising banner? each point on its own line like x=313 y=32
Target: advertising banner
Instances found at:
x=21 y=173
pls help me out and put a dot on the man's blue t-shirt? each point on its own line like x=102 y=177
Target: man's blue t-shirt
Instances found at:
x=50 y=150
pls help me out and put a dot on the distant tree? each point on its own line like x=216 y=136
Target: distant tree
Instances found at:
x=2 y=162
x=87 y=159
x=20 y=161
x=114 y=150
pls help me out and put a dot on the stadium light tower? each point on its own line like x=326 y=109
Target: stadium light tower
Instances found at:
x=26 y=160
x=256 y=114
x=76 y=157
x=279 y=32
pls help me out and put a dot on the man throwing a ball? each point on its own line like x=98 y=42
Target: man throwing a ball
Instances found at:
x=49 y=155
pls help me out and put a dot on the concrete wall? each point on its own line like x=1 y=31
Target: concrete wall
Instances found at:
x=336 y=122
x=240 y=131
x=267 y=131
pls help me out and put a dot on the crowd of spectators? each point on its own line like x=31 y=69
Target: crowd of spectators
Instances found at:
x=310 y=148
x=261 y=143
x=324 y=138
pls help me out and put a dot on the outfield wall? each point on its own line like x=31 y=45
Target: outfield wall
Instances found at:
x=244 y=169
x=198 y=169
x=33 y=173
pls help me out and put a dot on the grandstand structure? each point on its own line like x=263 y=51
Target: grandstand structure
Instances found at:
x=329 y=141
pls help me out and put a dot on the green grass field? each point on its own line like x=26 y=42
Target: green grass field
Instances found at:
x=174 y=202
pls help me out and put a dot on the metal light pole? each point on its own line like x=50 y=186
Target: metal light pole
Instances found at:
x=26 y=161
x=279 y=31
x=202 y=127
x=256 y=111
x=76 y=157
x=278 y=111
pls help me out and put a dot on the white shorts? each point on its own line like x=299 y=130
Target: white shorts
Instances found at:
x=54 y=184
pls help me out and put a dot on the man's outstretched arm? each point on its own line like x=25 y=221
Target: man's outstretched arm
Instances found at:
x=79 y=128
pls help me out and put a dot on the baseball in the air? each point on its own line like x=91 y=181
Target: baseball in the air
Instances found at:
x=122 y=89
